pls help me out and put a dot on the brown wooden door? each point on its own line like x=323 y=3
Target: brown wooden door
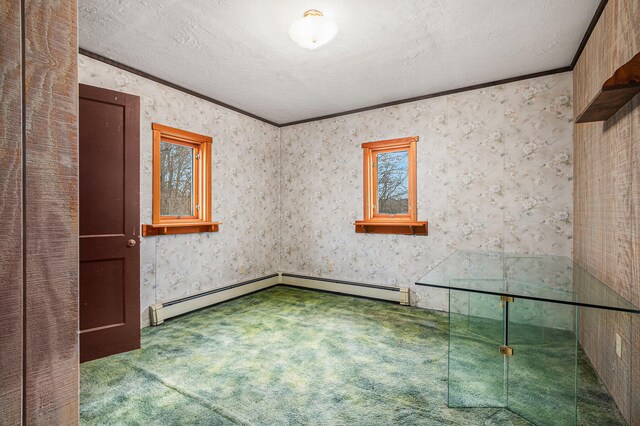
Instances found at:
x=109 y=222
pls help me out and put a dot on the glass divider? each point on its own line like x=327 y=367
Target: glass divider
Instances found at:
x=477 y=371
x=543 y=366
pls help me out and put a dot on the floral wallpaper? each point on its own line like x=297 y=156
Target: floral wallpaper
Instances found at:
x=494 y=173
x=245 y=197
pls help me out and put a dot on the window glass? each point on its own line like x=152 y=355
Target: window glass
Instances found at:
x=176 y=180
x=393 y=182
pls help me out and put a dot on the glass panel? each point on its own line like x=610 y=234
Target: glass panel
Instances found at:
x=550 y=278
x=393 y=182
x=176 y=180
x=543 y=367
x=476 y=368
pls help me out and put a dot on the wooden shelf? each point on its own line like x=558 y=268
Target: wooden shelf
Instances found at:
x=401 y=228
x=615 y=93
x=179 y=228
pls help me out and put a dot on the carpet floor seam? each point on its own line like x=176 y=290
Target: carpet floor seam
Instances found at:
x=192 y=396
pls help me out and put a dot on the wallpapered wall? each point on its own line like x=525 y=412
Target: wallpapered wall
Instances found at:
x=245 y=191
x=494 y=172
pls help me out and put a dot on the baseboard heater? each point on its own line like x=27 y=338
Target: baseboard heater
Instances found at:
x=372 y=291
x=162 y=311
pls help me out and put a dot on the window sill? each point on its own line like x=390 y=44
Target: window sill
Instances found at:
x=400 y=228
x=179 y=228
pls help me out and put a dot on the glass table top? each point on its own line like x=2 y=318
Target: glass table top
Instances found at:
x=537 y=277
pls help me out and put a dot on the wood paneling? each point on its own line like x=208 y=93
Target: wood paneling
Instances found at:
x=11 y=214
x=607 y=202
x=38 y=252
x=51 y=205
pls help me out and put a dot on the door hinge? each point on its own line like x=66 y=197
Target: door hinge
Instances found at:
x=197 y=156
x=197 y=206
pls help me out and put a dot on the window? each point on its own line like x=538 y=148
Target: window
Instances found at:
x=181 y=183
x=390 y=201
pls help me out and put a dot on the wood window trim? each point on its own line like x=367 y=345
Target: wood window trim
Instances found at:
x=201 y=221
x=375 y=223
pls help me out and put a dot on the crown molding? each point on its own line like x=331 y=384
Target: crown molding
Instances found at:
x=585 y=38
x=432 y=95
x=164 y=82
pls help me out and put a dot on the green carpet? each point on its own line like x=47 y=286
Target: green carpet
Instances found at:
x=286 y=356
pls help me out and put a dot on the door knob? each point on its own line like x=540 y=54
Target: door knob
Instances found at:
x=131 y=243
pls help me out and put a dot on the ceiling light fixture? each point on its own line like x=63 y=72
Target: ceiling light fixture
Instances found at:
x=313 y=30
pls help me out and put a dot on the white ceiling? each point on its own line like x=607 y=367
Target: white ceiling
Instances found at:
x=239 y=51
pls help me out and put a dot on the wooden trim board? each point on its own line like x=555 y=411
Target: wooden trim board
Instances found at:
x=589 y=31
x=127 y=68
x=50 y=137
x=11 y=211
x=167 y=83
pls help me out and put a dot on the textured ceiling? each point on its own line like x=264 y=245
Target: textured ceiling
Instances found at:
x=239 y=51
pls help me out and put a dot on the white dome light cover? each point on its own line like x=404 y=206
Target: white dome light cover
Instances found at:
x=313 y=30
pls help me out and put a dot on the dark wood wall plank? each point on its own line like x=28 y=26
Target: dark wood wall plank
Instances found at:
x=51 y=205
x=11 y=213
x=607 y=203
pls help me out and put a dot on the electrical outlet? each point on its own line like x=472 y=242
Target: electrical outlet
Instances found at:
x=618 y=345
